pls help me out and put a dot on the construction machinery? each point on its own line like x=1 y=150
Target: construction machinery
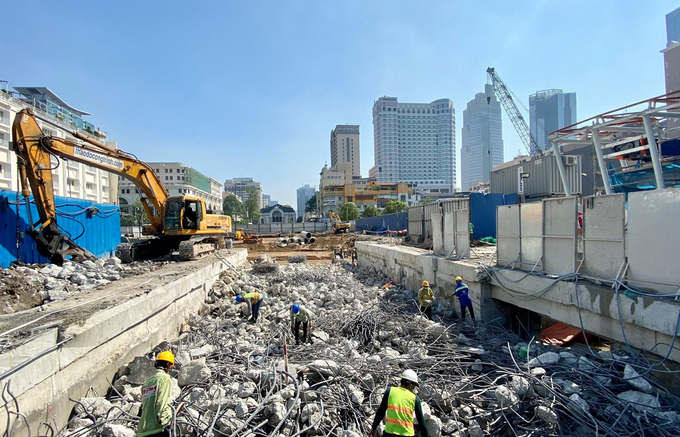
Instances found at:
x=338 y=224
x=505 y=95
x=239 y=234
x=177 y=223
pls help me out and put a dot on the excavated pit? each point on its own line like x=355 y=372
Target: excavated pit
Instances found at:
x=232 y=377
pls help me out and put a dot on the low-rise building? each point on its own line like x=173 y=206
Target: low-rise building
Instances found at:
x=366 y=194
x=178 y=179
x=58 y=119
x=277 y=214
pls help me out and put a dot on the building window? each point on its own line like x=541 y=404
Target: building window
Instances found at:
x=158 y=170
x=166 y=178
x=166 y=170
x=89 y=186
x=170 y=170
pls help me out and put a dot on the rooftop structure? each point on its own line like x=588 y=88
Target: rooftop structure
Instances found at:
x=638 y=135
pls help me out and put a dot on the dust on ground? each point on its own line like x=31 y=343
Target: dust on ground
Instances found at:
x=320 y=251
x=24 y=290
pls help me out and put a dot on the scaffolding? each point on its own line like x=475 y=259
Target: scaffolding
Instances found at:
x=643 y=135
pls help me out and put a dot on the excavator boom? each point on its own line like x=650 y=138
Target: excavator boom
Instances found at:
x=34 y=151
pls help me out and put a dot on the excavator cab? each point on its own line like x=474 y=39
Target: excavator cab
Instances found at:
x=183 y=213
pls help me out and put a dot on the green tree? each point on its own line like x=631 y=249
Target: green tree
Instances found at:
x=127 y=219
x=370 y=211
x=426 y=200
x=310 y=206
x=348 y=211
x=394 y=206
x=253 y=205
x=234 y=208
x=136 y=217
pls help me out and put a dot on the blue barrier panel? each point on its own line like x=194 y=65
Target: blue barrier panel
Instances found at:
x=393 y=222
x=93 y=226
x=483 y=212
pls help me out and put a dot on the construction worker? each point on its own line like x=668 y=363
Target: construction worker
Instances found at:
x=300 y=315
x=398 y=406
x=254 y=301
x=156 y=414
x=463 y=294
x=425 y=297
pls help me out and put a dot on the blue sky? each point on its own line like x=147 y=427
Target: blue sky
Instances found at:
x=253 y=89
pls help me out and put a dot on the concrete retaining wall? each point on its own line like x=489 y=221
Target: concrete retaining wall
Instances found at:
x=409 y=266
x=648 y=323
x=105 y=342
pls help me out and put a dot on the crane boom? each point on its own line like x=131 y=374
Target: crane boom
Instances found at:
x=505 y=96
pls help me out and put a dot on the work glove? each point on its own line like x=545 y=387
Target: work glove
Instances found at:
x=428 y=302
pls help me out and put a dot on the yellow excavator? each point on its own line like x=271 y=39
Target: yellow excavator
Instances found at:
x=338 y=224
x=179 y=223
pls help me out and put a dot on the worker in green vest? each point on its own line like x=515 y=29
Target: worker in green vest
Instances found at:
x=156 y=414
x=398 y=406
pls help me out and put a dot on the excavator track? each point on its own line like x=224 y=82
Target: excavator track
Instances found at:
x=124 y=252
x=195 y=248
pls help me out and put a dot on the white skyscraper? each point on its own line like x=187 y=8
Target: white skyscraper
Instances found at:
x=482 y=138
x=303 y=195
x=415 y=143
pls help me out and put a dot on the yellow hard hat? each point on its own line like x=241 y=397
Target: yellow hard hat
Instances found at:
x=166 y=356
x=458 y=278
x=426 y=284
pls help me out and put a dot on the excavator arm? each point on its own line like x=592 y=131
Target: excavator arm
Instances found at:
x=34 y=151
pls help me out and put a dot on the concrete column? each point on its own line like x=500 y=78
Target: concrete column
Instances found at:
x=654 y=153
x=560 y=167
x=600 y=160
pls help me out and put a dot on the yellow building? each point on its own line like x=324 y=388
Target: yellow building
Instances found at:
x=362 y=195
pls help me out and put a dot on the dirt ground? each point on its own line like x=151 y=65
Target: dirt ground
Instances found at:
x=318 y=252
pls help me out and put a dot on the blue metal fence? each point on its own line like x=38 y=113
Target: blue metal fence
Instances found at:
x=392 y=222
x=483 y=212
x=93 y=226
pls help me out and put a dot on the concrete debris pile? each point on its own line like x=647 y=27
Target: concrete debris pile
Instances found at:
x=31 y=285
x=233 y=378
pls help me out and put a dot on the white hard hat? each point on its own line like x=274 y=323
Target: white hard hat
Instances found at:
x=410 y=375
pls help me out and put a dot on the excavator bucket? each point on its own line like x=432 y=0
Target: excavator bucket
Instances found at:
x=54 y=245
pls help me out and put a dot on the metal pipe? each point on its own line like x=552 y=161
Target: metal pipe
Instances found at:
x=654 y=153
x=560 y=167
x=600 y=160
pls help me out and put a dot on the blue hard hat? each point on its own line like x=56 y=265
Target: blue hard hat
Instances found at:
x=239 y=298
x=296 y=308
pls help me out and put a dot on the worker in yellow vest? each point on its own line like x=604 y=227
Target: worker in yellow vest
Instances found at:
x=254 y=301
x=398 y=406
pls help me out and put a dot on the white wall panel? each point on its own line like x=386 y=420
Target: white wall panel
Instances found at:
x=559 y=235
x=603 y=235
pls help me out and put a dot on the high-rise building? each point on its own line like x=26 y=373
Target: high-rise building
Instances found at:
x=241 y=187
x=482 y=138
x=179 y=179
x=304 y=193
x=673 y=27
x=345 y=147
x=550 y=110
x=415 y=143
x=671 y=62
x=58 y=119
x=266 y=198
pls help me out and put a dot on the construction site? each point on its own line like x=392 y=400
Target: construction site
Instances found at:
x=547 y=306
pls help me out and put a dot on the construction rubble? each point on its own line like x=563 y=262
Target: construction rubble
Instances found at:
x=233 y=378
x=29 y=285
